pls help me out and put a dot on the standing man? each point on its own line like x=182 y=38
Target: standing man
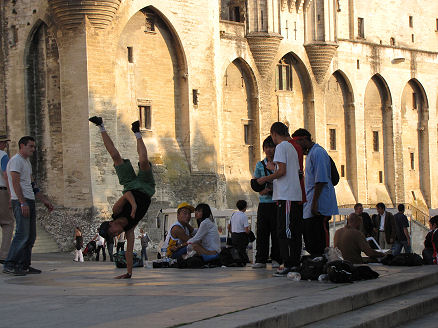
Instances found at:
x=366 y=226
x=402 y=238
x=100 y=245
x=137 y=191
x=23 y=193
x=266 y=212
x=287 y=193
x=144 y=239
x=384 y=224
x=6 y=219
x=320 y=194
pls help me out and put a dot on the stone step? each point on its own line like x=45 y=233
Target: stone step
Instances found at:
x=342 y=299
x=44 y=242
x=389 y=313
x=428 y=321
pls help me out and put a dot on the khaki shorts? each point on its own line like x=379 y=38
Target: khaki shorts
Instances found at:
x=143 y=181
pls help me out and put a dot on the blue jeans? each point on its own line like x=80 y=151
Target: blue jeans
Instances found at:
x=399 y=245
x=20 y=252
x=179 y=253
x=144 y=254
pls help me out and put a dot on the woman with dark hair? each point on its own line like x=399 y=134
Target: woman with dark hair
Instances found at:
x=206 y=242
x=79 y=241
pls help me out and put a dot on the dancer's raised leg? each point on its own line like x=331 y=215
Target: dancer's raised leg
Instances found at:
x=109 y=145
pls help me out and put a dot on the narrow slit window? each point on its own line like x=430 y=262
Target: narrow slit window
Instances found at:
x=332 y=139
x=358 y=64
x=130 y=55
x=413 y=38
x=380 y=177
x=414 y=100
x=360 y=28
x=375 y=140
x=392 y=41
x=145 y=117
x=412 y=157
x=342 y=171
x=195 y=97
x=246 y=134
x=411 y=21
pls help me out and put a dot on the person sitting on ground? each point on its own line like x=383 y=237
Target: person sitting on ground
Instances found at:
x=351 y=242
x=206 y=242
x=239 y=228
x=137 y=192
x=180 y=232
x=430 y=255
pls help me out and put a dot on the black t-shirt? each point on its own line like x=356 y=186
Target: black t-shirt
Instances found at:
x=401 y=221
x=143 y=201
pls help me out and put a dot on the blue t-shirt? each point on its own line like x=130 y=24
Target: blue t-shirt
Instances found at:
x=318 y=169
x=258 y=173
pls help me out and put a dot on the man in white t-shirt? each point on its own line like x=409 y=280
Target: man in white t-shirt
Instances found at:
x=6 y=218
x=23 y=193
x=239 y=227
x=100 y=245
x=288 y=194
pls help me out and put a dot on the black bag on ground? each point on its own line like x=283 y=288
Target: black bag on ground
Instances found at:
x=193 y=262
x=404 y=259
x=364 y=272
x=230 y=257
x=340 y=271
x=312 y=268
x=251 y=236
x=120 y=260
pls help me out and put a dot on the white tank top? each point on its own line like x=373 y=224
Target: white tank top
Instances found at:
x=169 y=234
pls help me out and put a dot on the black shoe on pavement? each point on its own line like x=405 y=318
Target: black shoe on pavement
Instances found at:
x=8 y=271
x=96 y=120
x=135 y=126
x=31 y=270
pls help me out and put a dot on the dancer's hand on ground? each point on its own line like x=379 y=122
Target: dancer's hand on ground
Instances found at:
x=124 y=276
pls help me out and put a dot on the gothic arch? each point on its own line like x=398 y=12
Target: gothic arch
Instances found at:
x=296 y=108
x=379 y=144
x=341 y=132
x=239 y=122
x=156 y=78
x=415 y=140
x=43 y=108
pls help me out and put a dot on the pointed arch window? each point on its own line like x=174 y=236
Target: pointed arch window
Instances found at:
x=284 y=75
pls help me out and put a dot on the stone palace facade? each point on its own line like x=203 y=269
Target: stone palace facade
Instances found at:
x=207 y=79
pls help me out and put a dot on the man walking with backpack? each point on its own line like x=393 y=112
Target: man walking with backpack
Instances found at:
x=287 y=192
x=320 y=194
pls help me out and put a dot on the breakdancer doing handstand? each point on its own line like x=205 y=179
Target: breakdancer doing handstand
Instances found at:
x=137 y=191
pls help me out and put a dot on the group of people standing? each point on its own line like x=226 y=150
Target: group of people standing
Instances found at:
x=294 y=204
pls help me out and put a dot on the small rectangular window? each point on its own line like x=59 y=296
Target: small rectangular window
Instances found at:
x=436 y=27
x=412 y=161
x=411 y=21
x=413 y=38
x=414 y=100
x=392 y=42
x=145 y=117
x=375 y=140
x=380 y=177
x=360 y=27
x=130 y=55
x=332 y=139
x=342 y=171
x=246 y=134
x=358 y=64
x=195 y=97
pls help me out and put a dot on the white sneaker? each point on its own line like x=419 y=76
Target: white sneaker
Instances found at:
x=275 y=264
x=259 y=265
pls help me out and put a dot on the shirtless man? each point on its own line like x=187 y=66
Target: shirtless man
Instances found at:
x=137 y=192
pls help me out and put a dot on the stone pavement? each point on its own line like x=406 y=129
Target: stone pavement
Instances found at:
x=70 y=294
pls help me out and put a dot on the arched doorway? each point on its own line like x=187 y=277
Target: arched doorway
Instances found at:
x=44 y=115
x=379 y=142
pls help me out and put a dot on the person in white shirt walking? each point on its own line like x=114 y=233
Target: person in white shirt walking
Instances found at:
x=100 y=245
x=6 y=218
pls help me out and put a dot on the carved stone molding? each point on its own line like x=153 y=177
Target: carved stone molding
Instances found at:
x=264 y=47
x=71 y=13
x=320 y=56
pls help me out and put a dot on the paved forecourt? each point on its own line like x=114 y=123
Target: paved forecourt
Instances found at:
x=69 y=294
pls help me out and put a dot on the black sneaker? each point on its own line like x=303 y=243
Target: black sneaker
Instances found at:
x=135 y=126
x=96 y=120
x=31 y=270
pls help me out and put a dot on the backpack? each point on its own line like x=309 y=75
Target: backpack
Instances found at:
x=404 y=259
x=364 y=272
x=193 y=262
x=334 y=172
x=230 y=257
x=120 y=260
x=311 y=269
x=340 y=271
